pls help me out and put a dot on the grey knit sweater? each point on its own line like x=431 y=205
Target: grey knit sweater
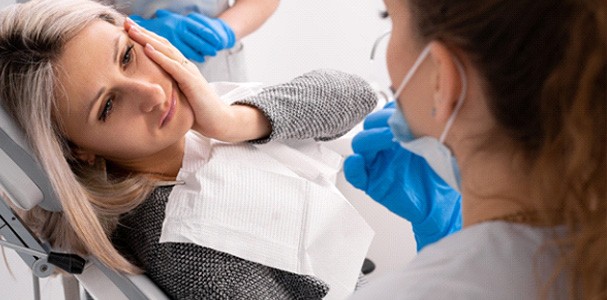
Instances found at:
x=322 y=105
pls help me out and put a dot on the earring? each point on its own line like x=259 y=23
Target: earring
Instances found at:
x=91 y=161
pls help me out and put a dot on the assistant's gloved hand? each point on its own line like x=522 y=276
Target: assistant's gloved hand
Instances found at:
x=402 y=181
x=222 y=30
x=193 y=39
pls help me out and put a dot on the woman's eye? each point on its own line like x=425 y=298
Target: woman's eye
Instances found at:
x=128 y=55
x=384 y=14
x=107 y=109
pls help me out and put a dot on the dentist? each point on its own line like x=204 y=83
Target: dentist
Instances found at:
x=506 y=102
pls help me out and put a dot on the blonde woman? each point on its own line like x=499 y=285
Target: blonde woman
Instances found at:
x=106 y=107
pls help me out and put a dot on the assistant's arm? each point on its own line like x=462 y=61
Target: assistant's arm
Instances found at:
x=322 y=104
x=246 y=16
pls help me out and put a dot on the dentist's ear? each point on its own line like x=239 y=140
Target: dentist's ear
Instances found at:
x=447 y=81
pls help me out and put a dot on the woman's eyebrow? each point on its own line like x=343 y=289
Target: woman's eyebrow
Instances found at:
x=94 y=101
x=103 y=88
x=117 y=47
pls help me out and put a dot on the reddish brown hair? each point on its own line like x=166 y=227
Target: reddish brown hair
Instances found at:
x=544 y=64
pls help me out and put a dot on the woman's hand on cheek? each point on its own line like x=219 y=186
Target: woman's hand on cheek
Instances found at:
x=212 y=116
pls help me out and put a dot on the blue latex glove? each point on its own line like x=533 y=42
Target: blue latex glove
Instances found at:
x=222 y=30
x=402 y=181
x=193 y=39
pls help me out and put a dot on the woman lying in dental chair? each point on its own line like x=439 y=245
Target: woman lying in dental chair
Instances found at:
x=107 y=107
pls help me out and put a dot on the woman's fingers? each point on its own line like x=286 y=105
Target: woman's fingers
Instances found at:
x=204 y=101
x=186 y=74
x=164 y=54
x=179 y=70
x=143 y=37
x=159 y=44
x=128 y=24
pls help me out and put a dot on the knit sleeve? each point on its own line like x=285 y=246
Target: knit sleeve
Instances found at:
x=322 y=104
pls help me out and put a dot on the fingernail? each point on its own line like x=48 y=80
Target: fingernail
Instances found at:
x=150 y=47
x=130 y=21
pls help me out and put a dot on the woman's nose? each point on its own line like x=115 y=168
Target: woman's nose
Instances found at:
x=148 y=95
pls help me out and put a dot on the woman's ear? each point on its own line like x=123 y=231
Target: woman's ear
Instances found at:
x=84 y=155
x=447 y=83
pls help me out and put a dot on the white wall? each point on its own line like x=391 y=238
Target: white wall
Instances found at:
x=302 y=35
x=310 y=34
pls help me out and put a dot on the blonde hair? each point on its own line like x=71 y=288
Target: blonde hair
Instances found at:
x=32 y=37
x=546 y=78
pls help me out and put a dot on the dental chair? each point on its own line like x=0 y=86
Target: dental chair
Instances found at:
x=25 y=184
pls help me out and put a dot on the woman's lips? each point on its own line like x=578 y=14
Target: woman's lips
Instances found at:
x=168 y=116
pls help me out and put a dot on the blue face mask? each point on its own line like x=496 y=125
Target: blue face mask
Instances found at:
x=434 y=151
x=399 y=127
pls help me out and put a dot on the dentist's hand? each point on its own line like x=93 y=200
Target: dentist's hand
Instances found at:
x=193 y=39
x=213 y=118
x=402 y=181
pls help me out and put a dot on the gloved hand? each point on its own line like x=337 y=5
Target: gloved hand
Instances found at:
x=222 y=30
x=193 y=39
x=402 y=181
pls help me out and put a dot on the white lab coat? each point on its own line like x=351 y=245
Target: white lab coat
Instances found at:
x=492 y=260
x=227 y=65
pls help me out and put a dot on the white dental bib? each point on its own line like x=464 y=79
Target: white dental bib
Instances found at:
x=275 y=204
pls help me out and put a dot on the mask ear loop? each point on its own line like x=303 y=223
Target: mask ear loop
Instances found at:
x=412 y=71
x=460 y=101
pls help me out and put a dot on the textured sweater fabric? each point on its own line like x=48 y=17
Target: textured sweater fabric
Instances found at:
x=323 y=105
x=189 y=271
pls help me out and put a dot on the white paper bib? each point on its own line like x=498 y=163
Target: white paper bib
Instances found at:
x=275 y=204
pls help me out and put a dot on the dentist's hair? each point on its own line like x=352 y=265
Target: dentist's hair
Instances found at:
x=32 y=37
x=544 y=65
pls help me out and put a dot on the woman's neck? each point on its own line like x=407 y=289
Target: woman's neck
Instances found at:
x=495 y=184
x=163 y=165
